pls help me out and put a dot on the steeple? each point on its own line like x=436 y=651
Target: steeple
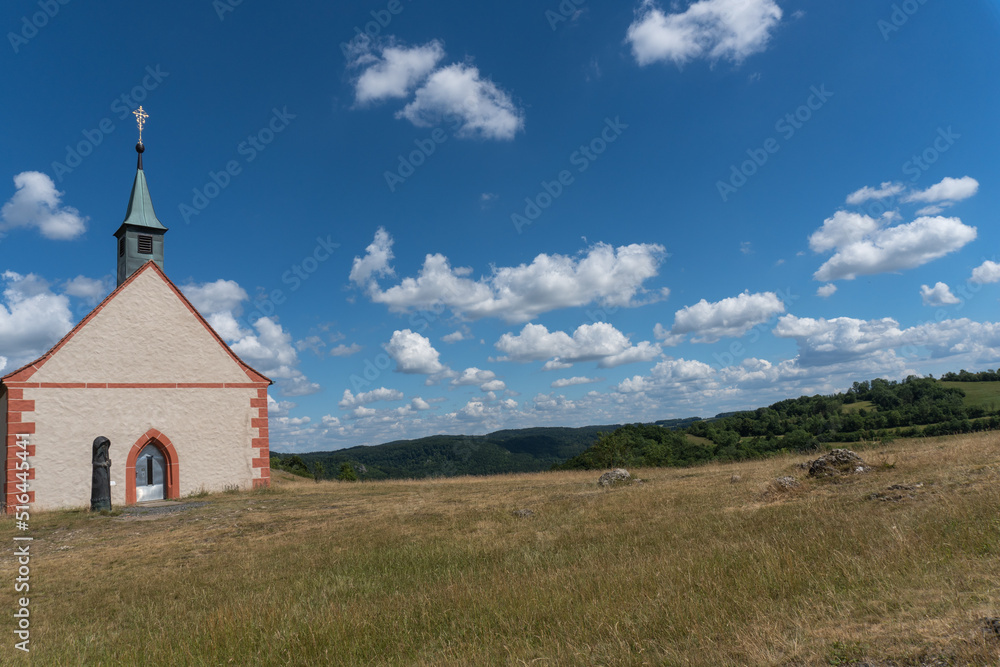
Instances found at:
x=140 y=236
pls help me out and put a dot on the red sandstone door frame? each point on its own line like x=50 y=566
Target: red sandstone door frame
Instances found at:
x=171 y=483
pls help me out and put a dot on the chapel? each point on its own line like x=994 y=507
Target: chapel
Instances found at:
x=182 y=411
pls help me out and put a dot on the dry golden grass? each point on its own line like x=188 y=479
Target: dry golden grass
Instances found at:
x=685 y=569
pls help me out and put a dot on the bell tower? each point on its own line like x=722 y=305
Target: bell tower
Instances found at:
x=140 y=236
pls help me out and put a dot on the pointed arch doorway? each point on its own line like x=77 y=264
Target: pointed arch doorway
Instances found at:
x=152 y=469
x=150 y=474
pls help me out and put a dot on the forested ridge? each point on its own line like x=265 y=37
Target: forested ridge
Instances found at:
x=511 y=450
x=871 y=410
x=878 y=409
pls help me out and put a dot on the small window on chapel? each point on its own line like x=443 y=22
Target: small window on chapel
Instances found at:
x=145 y=245
x=121 y=246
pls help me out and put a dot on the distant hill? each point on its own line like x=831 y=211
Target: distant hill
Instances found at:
x=878 y=409
x=510 y=450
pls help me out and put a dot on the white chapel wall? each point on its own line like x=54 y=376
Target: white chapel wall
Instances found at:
x=209 y=428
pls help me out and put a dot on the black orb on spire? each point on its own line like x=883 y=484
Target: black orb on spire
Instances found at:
x=139 y=147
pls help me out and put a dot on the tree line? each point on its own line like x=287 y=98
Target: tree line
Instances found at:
x=877 y=409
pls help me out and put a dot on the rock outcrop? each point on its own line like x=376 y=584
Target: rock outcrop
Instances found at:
x=616 y=476
x=786 y=483
x=836 y=463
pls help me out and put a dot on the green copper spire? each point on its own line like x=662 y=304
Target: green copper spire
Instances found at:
x=140 y=236
x=140 y=207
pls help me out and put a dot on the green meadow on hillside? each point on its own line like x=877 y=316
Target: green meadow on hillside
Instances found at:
x=978 y=394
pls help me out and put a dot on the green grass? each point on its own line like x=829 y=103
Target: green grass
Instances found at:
x=688 y=568
x=984 y=394
x=858 y=405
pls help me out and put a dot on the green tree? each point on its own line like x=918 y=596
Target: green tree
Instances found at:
x=347 y=473
x=800 y=440
x=318 y=471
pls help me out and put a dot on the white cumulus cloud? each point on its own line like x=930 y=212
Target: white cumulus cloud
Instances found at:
x=220 y=303
x=89 y=289
x=949 y=189
x=864 y=246
x=573 y=381
x=714 y=29
x=938 y=197
x=731 y=317
x=825 y=342
x=826 y=290
x=265 y=345
x=472 y=376
x=350 y=400
x=599 y=342
x=939 y=295
x=609 y=276
x=395 y=71
x=987 y=272
x=375 y=263
x=459 y=94
x=32 y=318
x=37 y=203
x=414 y=353
x=888 y=189
x=270 y=350
x=218 y=296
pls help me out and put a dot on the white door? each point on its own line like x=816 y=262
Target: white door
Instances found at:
x=150 y=474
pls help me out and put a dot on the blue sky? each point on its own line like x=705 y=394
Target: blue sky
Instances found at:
x=518 y=214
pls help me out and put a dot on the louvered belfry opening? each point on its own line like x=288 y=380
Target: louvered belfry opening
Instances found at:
x=145 y=244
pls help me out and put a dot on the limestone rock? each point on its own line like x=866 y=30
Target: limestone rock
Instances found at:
x=786 y=483
x=523 y=513
x=616 y=476
x=734 y=479
x=836 y=463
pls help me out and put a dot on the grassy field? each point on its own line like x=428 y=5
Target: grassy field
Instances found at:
x=858 y=405
x=688 y=568
x=984 y=394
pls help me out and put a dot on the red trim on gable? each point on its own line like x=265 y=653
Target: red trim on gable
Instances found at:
x=25 y=372
x=20 y=386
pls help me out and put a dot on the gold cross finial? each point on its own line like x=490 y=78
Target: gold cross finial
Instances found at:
x=140 y=117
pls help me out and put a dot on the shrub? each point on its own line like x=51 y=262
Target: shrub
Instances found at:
x=347 y=473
